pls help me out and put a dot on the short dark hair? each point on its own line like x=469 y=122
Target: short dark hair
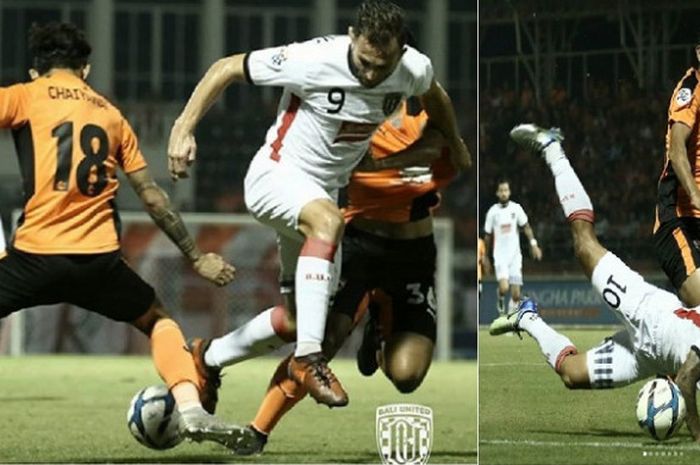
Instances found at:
x=379 y=21
x=58 y=45
x=500 y=181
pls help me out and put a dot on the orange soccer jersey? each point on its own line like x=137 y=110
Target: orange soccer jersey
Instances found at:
x=69 y=141
x=397 y=196
x=673 y=200
x=480 y=254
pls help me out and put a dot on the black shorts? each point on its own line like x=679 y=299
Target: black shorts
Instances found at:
x=403 y=270
x=101 y=283
x=677 y=246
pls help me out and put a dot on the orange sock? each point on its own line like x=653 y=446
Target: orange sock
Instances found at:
x=186 y=395
x=282 y=395
x=173 y=361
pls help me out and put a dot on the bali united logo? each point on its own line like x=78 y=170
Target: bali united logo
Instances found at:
x=404 y=434
x=391 y=103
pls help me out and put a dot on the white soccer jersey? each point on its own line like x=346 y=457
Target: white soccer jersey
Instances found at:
x=503 y=223
x=326 y=118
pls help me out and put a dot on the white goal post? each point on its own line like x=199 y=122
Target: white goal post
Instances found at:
x=201 y=308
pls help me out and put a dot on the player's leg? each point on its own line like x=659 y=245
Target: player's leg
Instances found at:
x=573 y=198
x=406 y=358
x=502 y=293
x=110 y=287
x=515 y=280
x=675 y=245
x=298 y=207
x=283 y=392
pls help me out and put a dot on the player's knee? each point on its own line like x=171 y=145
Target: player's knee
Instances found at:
x=503 y=288
x=148 y=320
x=408 y=384
x=574 y=377
x=328 y=225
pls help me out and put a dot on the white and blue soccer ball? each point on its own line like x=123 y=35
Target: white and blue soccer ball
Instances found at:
x=660 y=408
x=153 y=418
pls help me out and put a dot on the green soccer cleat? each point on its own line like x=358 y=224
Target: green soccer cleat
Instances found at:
x=509 y=323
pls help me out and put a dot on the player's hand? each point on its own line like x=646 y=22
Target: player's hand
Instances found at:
x=182 y=151
x=536 y=253
x=214 y=268
x=460 y=154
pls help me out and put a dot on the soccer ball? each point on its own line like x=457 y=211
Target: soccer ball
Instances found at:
x=153 y=418
x=660 y=408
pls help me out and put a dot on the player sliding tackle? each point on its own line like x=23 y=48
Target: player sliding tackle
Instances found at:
x=660 y=335
x=337 y=90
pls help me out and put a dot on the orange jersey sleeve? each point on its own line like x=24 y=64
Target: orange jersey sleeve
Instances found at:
x=397 y=196
x=70 y=143
x=683 y=108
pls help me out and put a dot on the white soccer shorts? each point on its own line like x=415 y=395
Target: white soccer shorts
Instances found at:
x=638 y=351
x=275 y=194
x=510 y=268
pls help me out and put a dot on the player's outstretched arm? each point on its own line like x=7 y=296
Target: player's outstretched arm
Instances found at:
x=534 y=247
x=182 y=148
x=678 y=154
x=210 y=265
x=687 y=378
x=439 y=108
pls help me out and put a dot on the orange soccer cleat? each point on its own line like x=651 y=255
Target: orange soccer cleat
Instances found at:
x=312 y=372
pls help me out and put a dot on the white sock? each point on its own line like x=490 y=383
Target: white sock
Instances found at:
x=256 y=337
x=313 y=279
x=513 y=305
x=572 y=196
x=554 y=346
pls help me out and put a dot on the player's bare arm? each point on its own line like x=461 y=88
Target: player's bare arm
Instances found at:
x=210 y=266
x=423 y=152
x=687 y=378
x=678 y=154
x=442 y=115
x=182 y=147
x=534 y=246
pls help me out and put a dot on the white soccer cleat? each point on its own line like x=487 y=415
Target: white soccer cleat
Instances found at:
x=535 y=138
x=198 y=425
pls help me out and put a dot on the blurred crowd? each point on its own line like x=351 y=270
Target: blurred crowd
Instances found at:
x=615 y=140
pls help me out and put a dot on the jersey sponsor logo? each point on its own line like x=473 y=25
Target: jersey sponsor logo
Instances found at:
x=505 y=228
x=404 y=433
x=354 y=132
x=683 y=97
x=391 y=102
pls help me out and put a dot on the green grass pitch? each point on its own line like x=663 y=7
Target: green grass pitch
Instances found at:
x=527 y=416
x=73 y=409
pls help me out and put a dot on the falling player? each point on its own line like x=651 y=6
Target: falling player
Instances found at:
x=70 y=141
x=504 y=220
x=660 y=335
x=337 y=90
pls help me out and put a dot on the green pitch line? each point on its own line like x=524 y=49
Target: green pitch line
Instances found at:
x=527 y=416
x=73 y=409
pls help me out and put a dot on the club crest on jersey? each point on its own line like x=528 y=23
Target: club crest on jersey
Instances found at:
x=391 y=103
x=280 y=57
x=404 y=434
x=684 y=96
